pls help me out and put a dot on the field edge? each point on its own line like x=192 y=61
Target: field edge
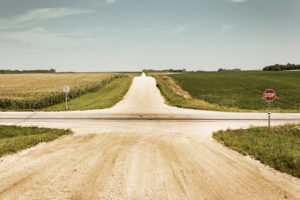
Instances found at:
x=278 y=147
x=106 y=97
x=172 y=98
x=17 y=138
x=104 y=85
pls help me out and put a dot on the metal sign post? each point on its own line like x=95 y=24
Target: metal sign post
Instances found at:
x=269 y=114
x=66 y=89
x=66 y=101
x=269 y=96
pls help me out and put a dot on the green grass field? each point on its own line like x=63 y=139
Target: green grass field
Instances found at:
x=14 y=138
x=235 y=91
x=105 y=97
x=278 y=148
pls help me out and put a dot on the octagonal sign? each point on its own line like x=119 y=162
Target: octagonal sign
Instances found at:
x=269 y=95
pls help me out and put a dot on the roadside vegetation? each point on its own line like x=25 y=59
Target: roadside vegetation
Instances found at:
x=38 y=91
x=14 y=138
x=278 y=147
x=105 y=97
x=232 y=90
x=175 y=96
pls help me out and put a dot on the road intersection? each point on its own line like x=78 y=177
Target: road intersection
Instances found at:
x=141 y=149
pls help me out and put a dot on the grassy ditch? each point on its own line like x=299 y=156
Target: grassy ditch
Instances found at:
x=105 y=97
x=174 y=97
x=14 y=138
x=278 y=147
x=233 y=91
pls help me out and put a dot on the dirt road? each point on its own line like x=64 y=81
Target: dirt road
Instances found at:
x=140 y=149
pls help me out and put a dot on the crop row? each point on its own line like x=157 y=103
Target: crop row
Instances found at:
x=52 y=98
x=243 y=90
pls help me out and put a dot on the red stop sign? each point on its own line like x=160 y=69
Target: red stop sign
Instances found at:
x=269 y=95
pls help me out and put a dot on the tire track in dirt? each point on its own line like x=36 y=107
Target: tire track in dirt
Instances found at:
x=138 y=166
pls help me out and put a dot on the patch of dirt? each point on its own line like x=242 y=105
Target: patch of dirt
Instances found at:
x=138 y=166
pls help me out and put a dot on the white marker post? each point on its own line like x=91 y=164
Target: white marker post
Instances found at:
x=269 y=96
x=66 y=89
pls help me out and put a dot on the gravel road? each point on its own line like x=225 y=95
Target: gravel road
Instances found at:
x=140 y=149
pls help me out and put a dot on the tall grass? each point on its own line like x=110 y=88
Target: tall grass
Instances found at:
x=278 y=147
x=36 y=91
x=14 y=138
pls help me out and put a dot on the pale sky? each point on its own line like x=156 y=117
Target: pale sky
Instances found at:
x=130 y=35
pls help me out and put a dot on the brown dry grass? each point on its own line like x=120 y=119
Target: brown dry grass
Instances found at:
x=176 y=88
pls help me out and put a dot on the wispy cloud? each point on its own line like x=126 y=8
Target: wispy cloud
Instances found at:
x=226 y=28
x=110 y=1
x=178 y=30
x=38 y=15
x=181 y=29
x=39 y=30
x=238 y=1
x=39 y=37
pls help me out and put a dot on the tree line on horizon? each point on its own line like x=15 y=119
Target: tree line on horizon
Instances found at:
x=8 y=71
x=164 y=70
x=278 y=67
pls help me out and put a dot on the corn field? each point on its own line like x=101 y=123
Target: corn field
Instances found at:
x=36 y=91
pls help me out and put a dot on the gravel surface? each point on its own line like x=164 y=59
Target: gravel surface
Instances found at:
x=140 y=149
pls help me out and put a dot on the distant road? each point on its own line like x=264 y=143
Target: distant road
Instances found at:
x=141 y=149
